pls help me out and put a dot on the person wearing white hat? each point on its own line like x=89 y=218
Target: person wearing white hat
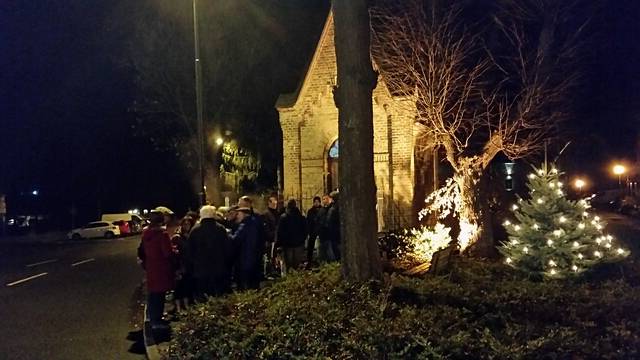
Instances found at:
x=209 y=253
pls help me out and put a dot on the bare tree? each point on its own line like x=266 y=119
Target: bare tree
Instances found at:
x=481 y=86
x=356 y=81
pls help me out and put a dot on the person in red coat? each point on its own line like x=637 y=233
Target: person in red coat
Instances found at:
x=159 y=267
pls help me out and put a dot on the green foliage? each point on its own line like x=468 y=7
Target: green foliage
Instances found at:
x=480 y=311
x=240 y=161
x=554 y=237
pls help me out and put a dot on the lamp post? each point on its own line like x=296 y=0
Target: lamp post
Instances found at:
x=579 y=184
x=619 y=170
x=199 y=108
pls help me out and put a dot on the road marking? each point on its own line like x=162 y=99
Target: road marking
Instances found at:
x=42 y=262
x=83 y=262
x=27 y=279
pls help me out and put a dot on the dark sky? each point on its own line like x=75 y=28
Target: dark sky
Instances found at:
x=65 y=128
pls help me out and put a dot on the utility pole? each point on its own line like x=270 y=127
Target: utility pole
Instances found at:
x=198 y=68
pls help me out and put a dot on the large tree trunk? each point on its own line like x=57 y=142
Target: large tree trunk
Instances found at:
x=356 y=81
x=476 y=232
x=468 y=177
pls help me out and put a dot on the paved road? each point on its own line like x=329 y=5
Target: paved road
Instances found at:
x=70 y=301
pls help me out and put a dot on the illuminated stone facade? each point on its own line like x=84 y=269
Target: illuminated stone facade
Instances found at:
x=309 y=121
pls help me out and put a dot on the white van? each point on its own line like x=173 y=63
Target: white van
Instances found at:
x=135 y=222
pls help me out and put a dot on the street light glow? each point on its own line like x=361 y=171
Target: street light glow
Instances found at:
x=579 y=184
x=619 y=169
x=219 y=141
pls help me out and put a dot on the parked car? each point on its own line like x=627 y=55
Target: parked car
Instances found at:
x=96 y=229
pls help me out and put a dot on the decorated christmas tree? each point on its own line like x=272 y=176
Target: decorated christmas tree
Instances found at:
x=554 y=237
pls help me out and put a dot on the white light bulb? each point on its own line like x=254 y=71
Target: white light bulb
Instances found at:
x=620 y=251
x=608 y=245
x=598 y=241
x=536 y=226
x=553 y=272
x=562 y=219
x=574 y=268
x=559 y=184
x=597 y=253
x=552 y=185
x=585 y=214
x=508 y=261
x=514 y=242
x=580 y=256
x=540 y=172
x=609 y=237
x=560 y=192
x=526 y=250
x=598 y=226
x=575 y=244
x=517 y=227
x=552 y=263
x=532 y=176
x=581 y=226
x=549 y=242
x=557 y=233
x=514 y=207
x=596 y=218
x=506 y=223
x=540 y=201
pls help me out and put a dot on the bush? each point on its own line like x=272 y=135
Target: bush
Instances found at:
x=479 y=311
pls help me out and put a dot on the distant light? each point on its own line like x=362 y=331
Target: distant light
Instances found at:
x=219 y=141
x=579 y=183
x=35 y=192
x=136 y=211
x=130 y=212
x=619 y=169
x=145 y=211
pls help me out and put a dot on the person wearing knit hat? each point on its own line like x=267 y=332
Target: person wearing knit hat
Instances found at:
x=209 y=254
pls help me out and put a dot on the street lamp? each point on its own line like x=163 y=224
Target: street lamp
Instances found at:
x=579 y=184
x=198 y=74
x=619 y=170
x=219 y=141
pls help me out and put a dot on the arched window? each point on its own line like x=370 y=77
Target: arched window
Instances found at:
x=332 y=167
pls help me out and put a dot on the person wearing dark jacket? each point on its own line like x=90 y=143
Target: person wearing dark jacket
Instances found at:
x=209 y=252
x=313 y=226
x=270 y=220
x=332 y=224
x=325 y=253
x=158 y=260
x=290 y=237
x=183 y=293
x=249 y=249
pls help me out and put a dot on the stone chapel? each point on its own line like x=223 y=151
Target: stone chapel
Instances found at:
x=309 y=121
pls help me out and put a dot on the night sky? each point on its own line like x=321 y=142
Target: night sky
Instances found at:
x=66 y=98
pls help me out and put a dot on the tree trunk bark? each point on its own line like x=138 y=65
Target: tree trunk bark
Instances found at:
x=485 y=245
x=356 y=81
x=470 y=207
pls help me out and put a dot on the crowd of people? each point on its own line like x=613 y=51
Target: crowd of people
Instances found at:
x=210 y=253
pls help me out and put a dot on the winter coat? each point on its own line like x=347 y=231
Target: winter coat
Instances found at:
x=270 y=220
x=313 y=221
x=208 y=250
x=292 y=229
x=332 y=222
x=158 y=259
x=246 y=240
